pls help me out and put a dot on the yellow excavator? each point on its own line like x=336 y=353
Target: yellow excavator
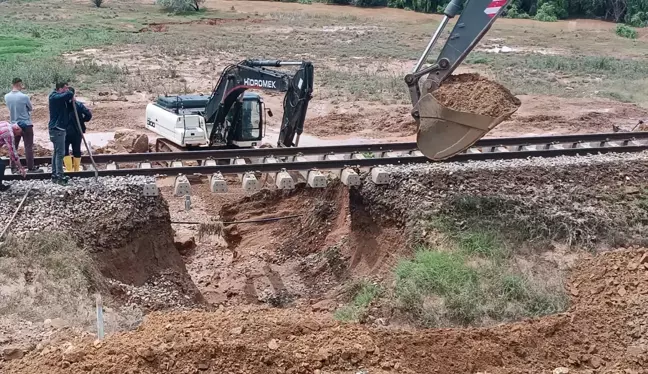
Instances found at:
x=444 y=132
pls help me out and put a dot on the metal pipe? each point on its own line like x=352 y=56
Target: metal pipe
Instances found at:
x=431 y=44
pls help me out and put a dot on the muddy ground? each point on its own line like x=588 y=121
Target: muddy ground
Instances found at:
x=275 y=284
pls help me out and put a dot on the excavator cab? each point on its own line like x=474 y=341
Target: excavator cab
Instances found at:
x=247 y=120
x=444 y=132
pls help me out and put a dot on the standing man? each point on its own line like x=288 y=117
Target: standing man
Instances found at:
x=73 y=137
x=20 y=108
x=8 y=133
x=60 y=106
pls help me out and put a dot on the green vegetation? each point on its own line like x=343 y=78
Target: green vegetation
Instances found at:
x=456 y=287
x=179 y=6
x=365 y=293
x=626 y=31
x=11 y=45
x=546 y=13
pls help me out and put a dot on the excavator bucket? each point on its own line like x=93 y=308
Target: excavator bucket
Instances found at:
x=444 y=132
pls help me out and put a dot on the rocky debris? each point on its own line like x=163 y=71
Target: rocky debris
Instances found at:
x=473 y=93
x=324 y=306
x=126 y=141
x=97 y=213
x=580 y=200
x=12 y=353
x=162 y=292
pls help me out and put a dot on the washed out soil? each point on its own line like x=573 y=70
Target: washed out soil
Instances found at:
x=602 y=331
x=473 y=93
x=307 y=257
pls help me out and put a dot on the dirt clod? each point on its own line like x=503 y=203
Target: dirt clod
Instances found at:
x=475 y=94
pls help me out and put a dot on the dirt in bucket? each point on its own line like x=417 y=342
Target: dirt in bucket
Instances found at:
x=473 y=93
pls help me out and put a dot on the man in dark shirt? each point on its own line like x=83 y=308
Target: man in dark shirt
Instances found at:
x=74 y=136
x=60 y=106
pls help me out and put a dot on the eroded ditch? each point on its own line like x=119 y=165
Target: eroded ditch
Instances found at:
x=277 y=283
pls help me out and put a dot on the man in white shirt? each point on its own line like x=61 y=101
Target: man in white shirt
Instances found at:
x=20 y=109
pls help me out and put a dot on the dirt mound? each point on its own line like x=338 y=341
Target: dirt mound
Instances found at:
x=473 y=93
x=126 y=141
x=377 y=124
x=601 y=331
x=39 y=151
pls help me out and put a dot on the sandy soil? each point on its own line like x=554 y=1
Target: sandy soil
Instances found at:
x=602 y=331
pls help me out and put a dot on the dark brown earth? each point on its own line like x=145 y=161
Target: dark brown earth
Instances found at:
x=473 y=93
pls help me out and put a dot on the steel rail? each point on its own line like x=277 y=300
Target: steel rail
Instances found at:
x=340 y=164
x=355 y=148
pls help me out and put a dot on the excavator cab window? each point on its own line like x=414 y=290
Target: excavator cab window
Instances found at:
x=251 y=120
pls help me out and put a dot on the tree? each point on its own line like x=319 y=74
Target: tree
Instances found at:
x=181 y=5
x=97 y=3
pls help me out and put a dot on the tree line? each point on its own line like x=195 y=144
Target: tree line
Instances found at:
x=632 y=12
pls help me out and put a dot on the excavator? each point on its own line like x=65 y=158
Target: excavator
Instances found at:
x=233 y=118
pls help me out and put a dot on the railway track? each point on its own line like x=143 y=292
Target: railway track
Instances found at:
x=275 y=160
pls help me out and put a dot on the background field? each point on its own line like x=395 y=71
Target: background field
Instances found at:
x=572 y=76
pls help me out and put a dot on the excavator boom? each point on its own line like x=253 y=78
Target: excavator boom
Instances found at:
x=444 y=132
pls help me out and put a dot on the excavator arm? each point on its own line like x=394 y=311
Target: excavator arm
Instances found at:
x=444 y=132
x=238 y=78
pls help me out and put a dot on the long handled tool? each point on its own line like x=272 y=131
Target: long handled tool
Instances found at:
x=16 y=212
x=78 y=122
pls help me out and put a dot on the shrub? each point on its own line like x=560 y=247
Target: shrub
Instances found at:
x=639 y=19
x=626 y=31
x=369 y=3
x=97 y=3
x=514 y=12
x=181 y=5
x=546 y=13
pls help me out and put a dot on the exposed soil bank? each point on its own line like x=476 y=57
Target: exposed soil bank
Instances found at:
x=127 y=234
x=301 y=258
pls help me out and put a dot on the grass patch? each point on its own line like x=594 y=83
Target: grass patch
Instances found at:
x=11 y=45
x=365 y=293
x=445 y=288
x=42 y=73
x=386 y=88
x=560 y=75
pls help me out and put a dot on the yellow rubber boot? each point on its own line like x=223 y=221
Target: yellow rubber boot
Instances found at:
x=67 y=162
x=77 y=163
